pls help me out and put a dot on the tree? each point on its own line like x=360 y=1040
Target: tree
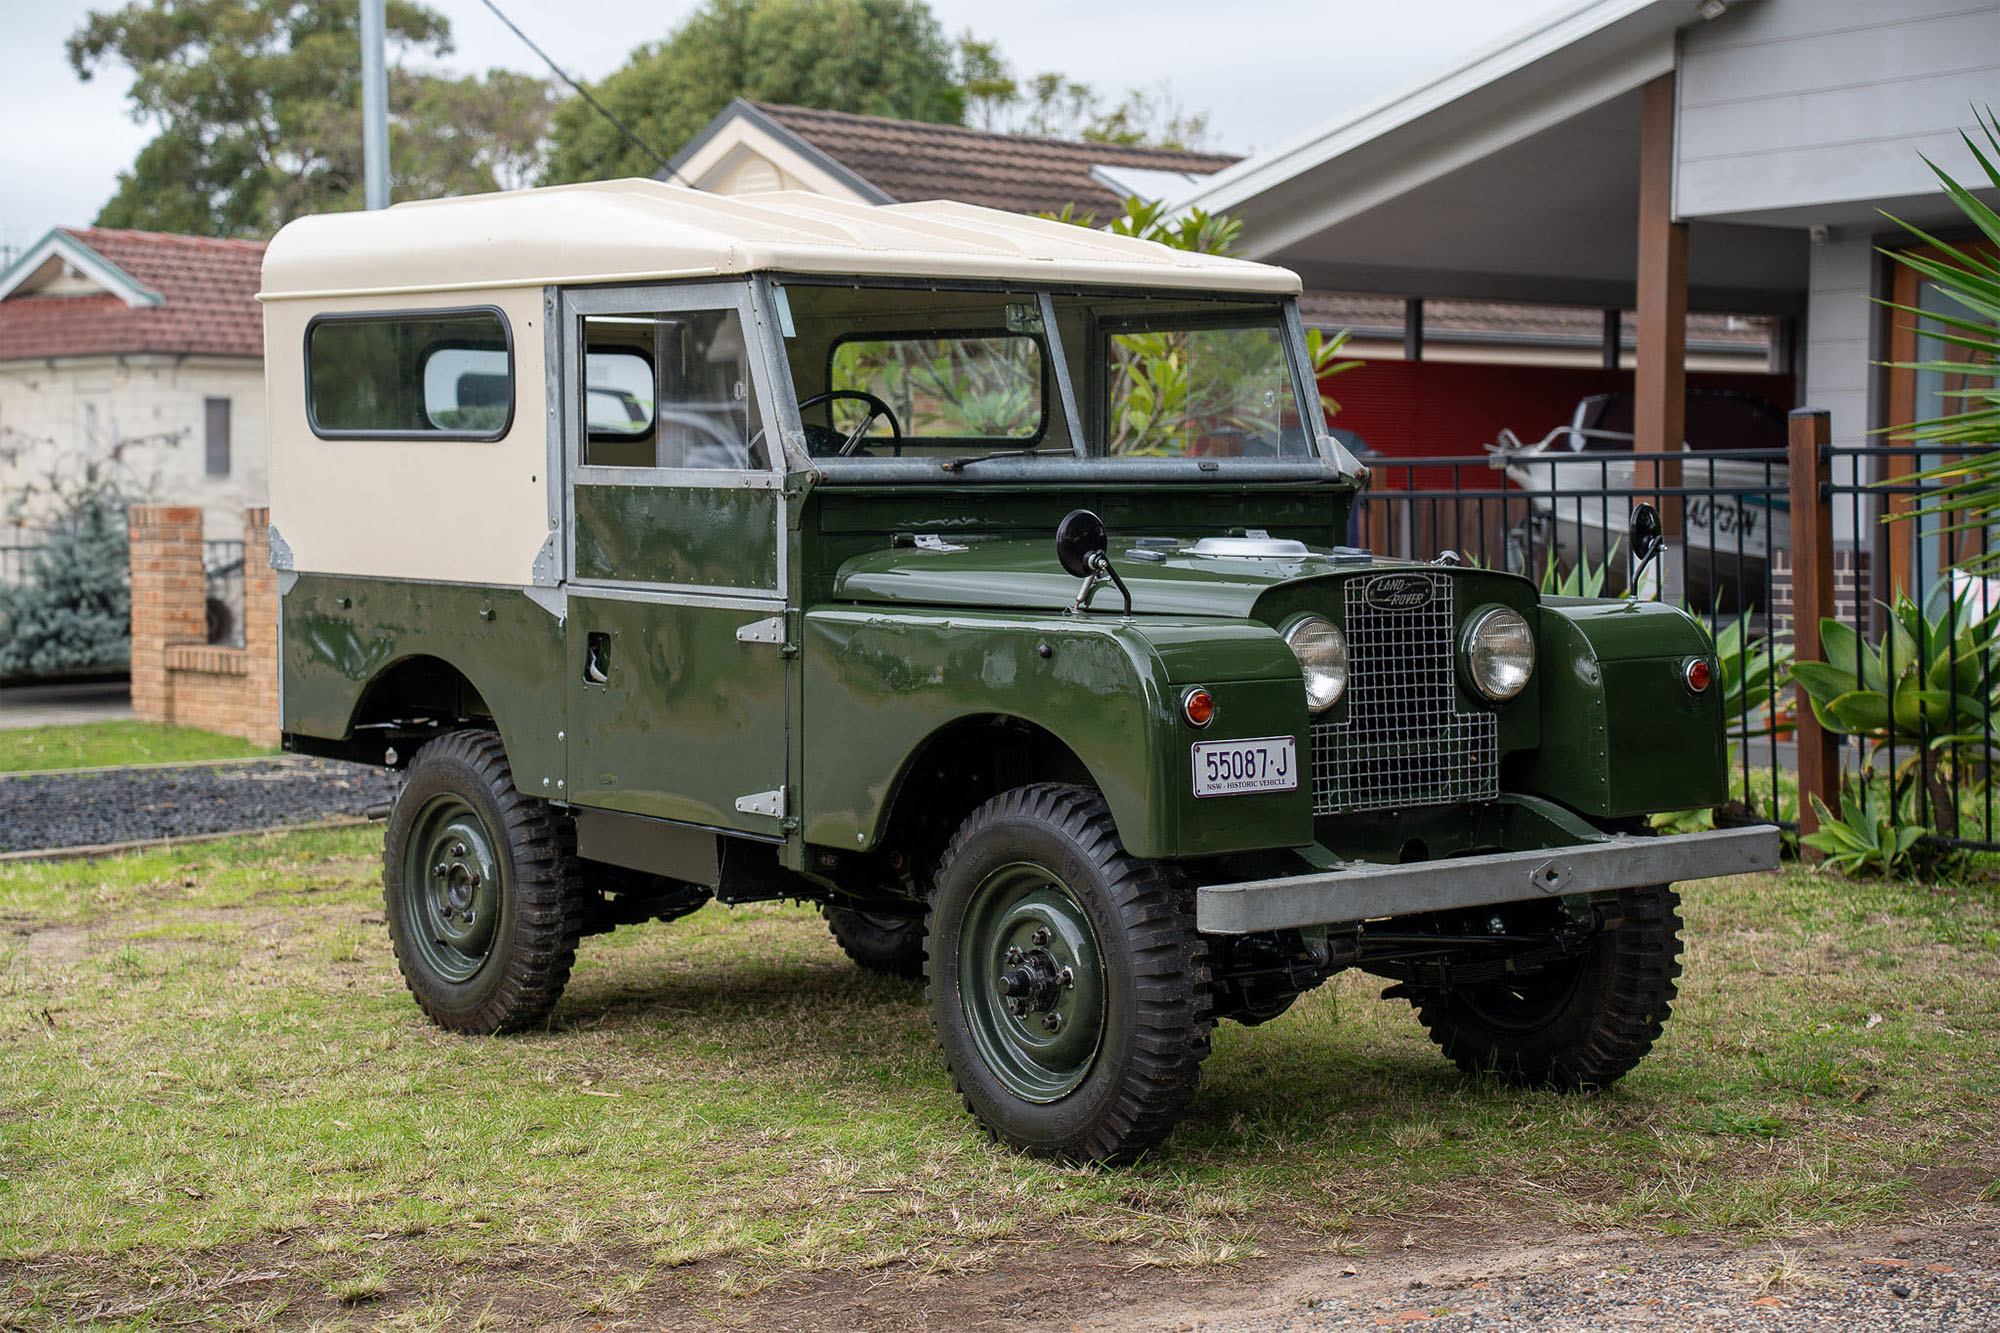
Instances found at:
x=878 y=57
x=257 y=109
x=73 y=611
x=1054 y=106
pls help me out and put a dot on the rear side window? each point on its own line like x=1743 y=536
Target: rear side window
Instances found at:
x=435 y=374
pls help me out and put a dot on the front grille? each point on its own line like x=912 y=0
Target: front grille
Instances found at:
x=1403 y=742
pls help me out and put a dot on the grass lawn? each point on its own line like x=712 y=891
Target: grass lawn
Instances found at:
x=90 y=744
x=220 y=1104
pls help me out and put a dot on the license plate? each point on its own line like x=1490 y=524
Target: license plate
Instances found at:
x=1231 y=768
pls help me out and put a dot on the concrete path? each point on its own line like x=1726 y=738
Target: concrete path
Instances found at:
x=65 y=704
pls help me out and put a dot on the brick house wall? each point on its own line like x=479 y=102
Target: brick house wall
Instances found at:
x=177 y=675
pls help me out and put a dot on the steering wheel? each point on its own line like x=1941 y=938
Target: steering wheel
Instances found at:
x=822 y=441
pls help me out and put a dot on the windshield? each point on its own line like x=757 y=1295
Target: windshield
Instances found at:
x=954 y=376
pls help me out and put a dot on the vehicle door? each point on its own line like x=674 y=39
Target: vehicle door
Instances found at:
x=677 y=682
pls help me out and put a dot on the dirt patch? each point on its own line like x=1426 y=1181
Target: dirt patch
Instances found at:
x=1449 y=1277
x=1020 y=1285
x=58 y=945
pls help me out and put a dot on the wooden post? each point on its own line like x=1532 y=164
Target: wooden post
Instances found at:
x=1659 y=384
x=1811 y=436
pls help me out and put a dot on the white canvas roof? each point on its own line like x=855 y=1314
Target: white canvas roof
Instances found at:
x=628 y=230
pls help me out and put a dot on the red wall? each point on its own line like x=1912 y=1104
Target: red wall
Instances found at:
x=1439 y=408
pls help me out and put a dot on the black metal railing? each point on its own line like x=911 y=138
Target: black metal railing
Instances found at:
x=15 y=561
x=222 y=561
x=1562 y=519
x=1919 y=736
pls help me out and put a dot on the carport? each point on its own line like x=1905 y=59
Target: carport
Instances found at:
x=1663 y=157
x=1540 y=171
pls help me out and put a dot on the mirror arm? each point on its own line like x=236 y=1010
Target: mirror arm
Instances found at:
x=1101 y=571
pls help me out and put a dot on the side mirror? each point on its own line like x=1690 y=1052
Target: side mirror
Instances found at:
x=1645 y=538
x=1080 y=538
x=1083 y=548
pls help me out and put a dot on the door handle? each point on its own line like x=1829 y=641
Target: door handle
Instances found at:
x=597 y=658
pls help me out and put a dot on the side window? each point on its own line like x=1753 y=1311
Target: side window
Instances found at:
x=670 y=391
x=443 y=374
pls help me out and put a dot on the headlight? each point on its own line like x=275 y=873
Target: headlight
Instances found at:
x=1499 y=653
x=1322 y=652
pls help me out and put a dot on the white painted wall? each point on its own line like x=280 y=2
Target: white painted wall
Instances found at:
x=1790 y=104
x=81 y=407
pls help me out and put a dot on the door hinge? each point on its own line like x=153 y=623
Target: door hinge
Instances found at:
x=769 y=630
x=770 y=803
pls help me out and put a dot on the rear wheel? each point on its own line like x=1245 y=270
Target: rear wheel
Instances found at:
x=480 y=889
x=1068 y=987
x=1582 y=1022
x=893 y=946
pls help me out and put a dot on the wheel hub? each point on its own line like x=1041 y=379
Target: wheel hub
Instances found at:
x=1035 y=981
x=1031 y=982
x=453 y=903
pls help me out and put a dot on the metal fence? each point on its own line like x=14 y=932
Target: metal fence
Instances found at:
x=223 y=564
x=14 y=563
x=1919 y=730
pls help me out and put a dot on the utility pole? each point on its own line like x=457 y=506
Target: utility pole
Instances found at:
x=374 y=104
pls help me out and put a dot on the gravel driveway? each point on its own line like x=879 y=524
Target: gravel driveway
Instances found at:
x=1933 y=1277
x=59 y=809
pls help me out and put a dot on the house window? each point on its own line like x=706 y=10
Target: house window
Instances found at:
x=217 y=435
x=443 y=374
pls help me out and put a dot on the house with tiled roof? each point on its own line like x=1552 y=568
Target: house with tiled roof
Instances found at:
x=142 y=345
x=752 y=147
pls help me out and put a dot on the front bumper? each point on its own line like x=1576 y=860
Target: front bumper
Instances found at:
x=1365 y=891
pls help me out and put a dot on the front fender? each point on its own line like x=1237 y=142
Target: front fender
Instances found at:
x=878 y=684
x=1621 y=733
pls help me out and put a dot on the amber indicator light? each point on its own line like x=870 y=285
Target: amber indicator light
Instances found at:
x=1199 y=705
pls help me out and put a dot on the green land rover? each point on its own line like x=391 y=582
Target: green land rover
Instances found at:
x=978 y=578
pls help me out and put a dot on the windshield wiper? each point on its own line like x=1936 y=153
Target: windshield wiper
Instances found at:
x=959 y=464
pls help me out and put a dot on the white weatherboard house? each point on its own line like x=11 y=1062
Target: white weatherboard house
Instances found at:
x=1668 y=156
x=139 y=346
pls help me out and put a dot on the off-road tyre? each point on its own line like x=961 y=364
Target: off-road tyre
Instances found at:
x=511 y=973
x=1578 y=1024
x=889 y=945
x=1152 y=983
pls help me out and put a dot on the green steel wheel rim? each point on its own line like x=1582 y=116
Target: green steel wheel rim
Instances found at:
x=453 y=893
x=1031 y=982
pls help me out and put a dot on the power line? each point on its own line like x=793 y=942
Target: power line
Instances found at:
x=584 y=93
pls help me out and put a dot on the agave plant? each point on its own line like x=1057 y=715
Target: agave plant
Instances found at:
x=1876 y=832
x=1750 y=672
x=1925 y=693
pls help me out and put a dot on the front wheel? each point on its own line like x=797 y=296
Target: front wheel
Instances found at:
x=1067 y=984
x=1580 y=1023
x=480 y=889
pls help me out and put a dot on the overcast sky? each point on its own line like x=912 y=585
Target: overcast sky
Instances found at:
x=1264 y=71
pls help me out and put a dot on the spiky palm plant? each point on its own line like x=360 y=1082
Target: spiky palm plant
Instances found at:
x=1967 y=497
